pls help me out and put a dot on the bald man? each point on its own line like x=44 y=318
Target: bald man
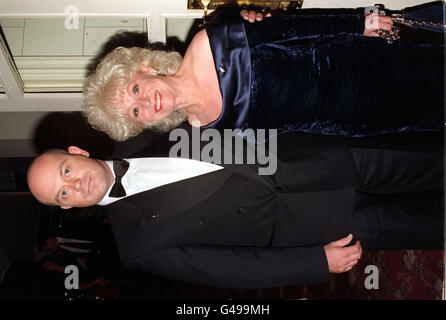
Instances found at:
x=50 y=175
x=226 y=226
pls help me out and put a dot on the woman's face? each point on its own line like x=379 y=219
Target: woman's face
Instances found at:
x=148 y=98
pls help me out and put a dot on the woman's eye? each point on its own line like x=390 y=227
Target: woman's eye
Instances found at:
x=66 y=172
x=64 y=194
x=136 y=89
x=135 y=111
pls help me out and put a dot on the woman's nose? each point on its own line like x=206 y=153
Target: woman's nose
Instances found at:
x=146 y=102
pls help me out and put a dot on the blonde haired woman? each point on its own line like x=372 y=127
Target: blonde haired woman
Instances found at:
x=103 y=90
x=318 y=71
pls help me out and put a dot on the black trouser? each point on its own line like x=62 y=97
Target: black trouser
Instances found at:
x=399 y=203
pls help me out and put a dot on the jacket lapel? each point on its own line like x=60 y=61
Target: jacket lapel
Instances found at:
x=133 y=215
x=249 y=172
x=174 y=198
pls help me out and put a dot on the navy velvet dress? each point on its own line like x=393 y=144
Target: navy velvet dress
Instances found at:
x=315 y=72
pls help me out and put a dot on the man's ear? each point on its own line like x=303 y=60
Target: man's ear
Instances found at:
x=148 y=69
x=66 y=207
x=76 y=150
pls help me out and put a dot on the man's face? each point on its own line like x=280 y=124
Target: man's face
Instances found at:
x=69 y=180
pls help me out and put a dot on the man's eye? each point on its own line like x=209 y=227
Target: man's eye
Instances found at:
x=136 y=89
x=135 y=111
x=64 y=194
x=66 y=172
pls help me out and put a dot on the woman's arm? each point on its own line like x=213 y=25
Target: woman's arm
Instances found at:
x=306 y=24
x=313 y=23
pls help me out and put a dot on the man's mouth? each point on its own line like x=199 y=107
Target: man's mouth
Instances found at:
x=158 y=101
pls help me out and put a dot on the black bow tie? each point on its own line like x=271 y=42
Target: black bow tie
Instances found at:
x=120 y=167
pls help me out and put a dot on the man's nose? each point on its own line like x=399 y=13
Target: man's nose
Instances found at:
x=77 y=184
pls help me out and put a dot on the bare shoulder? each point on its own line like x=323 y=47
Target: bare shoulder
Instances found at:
x=200 y=40
x=199 y=50
x=200 y=63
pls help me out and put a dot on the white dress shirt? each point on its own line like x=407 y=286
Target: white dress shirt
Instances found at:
x=64 y=243
x=149 y=173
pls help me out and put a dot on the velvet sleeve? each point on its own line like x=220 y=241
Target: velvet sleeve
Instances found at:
x=306 y=24
x=238 y=267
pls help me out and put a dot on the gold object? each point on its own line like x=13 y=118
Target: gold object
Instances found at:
x=389 y=36
x=411 y=22
x=265 y=4
x=284 y=5
x=205 y=4
x=393 y=35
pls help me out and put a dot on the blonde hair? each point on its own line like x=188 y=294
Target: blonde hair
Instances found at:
x=103 y=90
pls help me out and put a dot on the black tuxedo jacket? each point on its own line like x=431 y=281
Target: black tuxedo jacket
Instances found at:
x=234 y=228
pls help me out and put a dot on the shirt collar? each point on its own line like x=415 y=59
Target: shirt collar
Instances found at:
x=107 y=200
